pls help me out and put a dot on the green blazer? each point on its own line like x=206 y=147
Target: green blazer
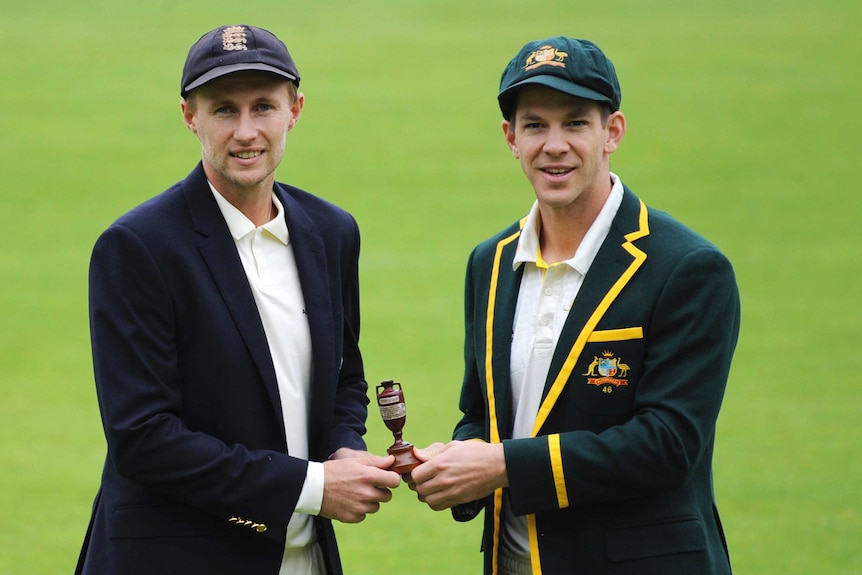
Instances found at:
x=617 y=478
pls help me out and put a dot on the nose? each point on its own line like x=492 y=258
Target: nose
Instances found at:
x=246 y=128
x=555 y=142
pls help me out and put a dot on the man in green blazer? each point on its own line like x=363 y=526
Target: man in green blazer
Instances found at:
x=599 y=337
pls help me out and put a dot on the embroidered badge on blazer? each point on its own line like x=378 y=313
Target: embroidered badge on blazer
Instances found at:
x=607 y=371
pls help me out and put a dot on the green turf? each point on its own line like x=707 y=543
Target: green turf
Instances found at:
x=742 y=122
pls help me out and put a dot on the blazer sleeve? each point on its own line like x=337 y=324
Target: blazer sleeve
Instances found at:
x=691 y=334
x=133 y=322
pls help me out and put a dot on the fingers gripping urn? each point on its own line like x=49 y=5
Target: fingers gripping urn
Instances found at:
x=393 y=410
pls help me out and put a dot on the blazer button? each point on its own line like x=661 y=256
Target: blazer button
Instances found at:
x=259 y=527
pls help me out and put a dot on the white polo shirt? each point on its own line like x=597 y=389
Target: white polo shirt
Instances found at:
x=269 y=264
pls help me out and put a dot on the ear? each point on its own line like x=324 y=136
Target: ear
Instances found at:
x=616 y=131
x=296 y=110
x=509 y=133
x=188 y=116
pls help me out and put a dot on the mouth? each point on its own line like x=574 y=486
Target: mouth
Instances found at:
x=246 y=155
x=554 y=171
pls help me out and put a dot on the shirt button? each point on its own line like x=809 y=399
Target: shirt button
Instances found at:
x=549 y=291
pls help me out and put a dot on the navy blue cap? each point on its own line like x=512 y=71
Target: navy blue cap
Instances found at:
x=230 y=49
x=570 y=65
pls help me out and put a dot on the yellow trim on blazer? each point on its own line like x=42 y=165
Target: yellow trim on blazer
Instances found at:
x=489 y=383
x=535 y=560
x=566 y=371
x=623 y=334
x=557 y=469
x=489 y=335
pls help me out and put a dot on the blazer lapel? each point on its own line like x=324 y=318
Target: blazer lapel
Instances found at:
x=218 y=250
x=614 y=266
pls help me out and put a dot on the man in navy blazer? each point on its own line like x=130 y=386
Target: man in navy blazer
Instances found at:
x=224 y=319
x=599 y=338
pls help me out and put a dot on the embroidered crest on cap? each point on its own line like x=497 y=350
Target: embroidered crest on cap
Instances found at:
x=233 y=38
x=603 y=369
x=546 y=56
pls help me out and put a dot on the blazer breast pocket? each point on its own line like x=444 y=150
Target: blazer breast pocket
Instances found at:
x=605 y=378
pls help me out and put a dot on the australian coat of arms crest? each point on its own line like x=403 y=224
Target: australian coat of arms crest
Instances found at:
x=607 y=369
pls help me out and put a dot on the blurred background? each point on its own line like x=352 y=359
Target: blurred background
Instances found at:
x=742 y=123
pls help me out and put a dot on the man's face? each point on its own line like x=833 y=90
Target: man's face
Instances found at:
x=242 y=121
x=564 y=147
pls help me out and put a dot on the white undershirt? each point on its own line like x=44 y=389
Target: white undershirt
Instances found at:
x=545 y=298
x=268 y=259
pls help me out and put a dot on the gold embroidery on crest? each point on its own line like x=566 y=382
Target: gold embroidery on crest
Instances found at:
x=546 y=56
x=233 y=38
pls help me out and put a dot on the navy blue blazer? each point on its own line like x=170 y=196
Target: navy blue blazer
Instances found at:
x=617 y=478
x=198 y=478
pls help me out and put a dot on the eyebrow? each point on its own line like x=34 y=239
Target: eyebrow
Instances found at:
x=527 y=116
x=578 y=111
x=221 y=101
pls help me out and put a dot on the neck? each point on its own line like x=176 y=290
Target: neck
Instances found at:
x=254 y=200
x=563 y=229
x=262 y=214
x=559 y=240
x=259 y=210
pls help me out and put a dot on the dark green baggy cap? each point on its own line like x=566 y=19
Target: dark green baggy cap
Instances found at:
x=571 y=65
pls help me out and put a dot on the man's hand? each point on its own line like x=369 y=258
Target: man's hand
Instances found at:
x=458 y=472
x=355 y=483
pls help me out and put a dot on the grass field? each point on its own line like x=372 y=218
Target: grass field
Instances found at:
x=742 y=123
